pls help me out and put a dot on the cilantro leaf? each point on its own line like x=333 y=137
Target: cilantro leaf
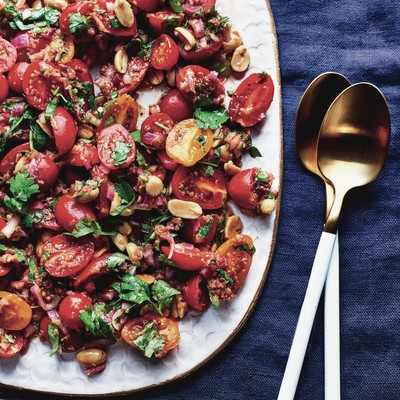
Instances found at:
x=95 y=321
x=47 y=14
x=31 y=219
x=150 y=342
x=165 y=260
x=163 y=294
x=145 y=49
x=133 y=289
x=254 y=152
x=127 y=195
x=245 y=247
x=88 y=226
x=37 y=138
x=209 y=115
x=79 y=24
x=116 y=260
x=115 y=24
x=120 y=153
x=54 y=336
x=205 y=230
x=176 y=5
x=51 y=107
x=226 y=276
x=262 y=176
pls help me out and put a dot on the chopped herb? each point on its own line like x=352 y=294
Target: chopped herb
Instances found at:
x=205 y=230
x=120 y=153
x=209 y=115
x=114 y=94
x=254 y=152
x=165 y=260
x=54 y=336
x=127 y=195
x=31 y=219
x=95 y=320
x=201 y=139
x=245 y=247
x=176 y=5
x=9 y=338
x=209 y=171
x=37 y=137
x=136 y=137
x=262 y=176
x=145 y=49
x=109 y=121
x=51 y=107
x=88 y=226
x=226 y=276
x=116 y=260
x=115 y=24
x=140 y=159
x=214 y=300
x=150 y=342
x=79 y=24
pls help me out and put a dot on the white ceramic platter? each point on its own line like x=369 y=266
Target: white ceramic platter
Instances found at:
x=202 y=336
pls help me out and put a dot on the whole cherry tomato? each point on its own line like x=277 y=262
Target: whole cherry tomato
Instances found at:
x=176 y=106
x=16 y=75
x=64 y=129
x=15 y=313
x=69 y=212
x=187 y=257
x=3 y=87
x=252 y=99
x=8 y=55
x=167 y=330
x=11 y=343
x=70 y=308
x=154 y=130
x=194 y=184
x=201 y=230
x=65 y=256
x=164 y=53
x=195 y=293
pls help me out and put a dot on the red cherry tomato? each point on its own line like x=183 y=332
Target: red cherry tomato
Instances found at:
x=187 y=257
x=65 y=256
x=137 y=69
x=64 y=129
x=16 y=75
x=154 y=130
x=236 y=255
x=116 y=147
x=11 y=158
x=4 y=269
x=15 y=313
x=82 y=8
x=70 y=308
x=201 y=230
x=251 y=99
x=39 y=83
x=193 y=184
x=167 y=161
x=81 y=69
x=194 y=81
x=69 y=212
x=176 y=106
x=97 y=268
x=3 y=87
x=195 y=293
x=82 y=154
x=43 y=169
x=147 y=5
x=192 y=6
x=201 y=53
x=11 y=343
x=28 y=43
x=158 y=20
x=164 y=53
x=167 y=329
x=8 y=55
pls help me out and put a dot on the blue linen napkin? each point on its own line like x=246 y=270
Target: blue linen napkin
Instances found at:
x=360 y=39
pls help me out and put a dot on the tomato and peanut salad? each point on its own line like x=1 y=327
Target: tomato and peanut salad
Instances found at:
x=112 y=229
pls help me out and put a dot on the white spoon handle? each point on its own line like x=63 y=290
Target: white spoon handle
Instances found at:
x=306 y=318
x=332 y=328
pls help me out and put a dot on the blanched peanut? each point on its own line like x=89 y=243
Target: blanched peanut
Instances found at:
x=267 y=206
x=57 y=4
x=123 y=12
x=85 y=131
x=233 y=226
x=171 y=77
x=37 y=4
x=128 y=211
x=125 y=228
x=234 y=40
x=120 y=241
x=115 y=203
x=154 y=186
x=121 y=61
x=21 y=164
x=86 y=192
x=43 y=124
x=135 y=253
x=90 y=358
x=231 y=169
x=156 y=76
x=146 y=278
x=178 y=307
x=240 y=59
x=186 y=37
x=184 y=209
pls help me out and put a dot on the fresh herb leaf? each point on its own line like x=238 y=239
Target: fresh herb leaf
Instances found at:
x=214 y=300
x=150 y=342
x=226 y=276
x=51 y=107
x=262 y=176
x=205 y=230
x=245 y=247
x=88 y=226
x=209 y=115
x=95 y=320
x=136 y=136
x=47 y=14
x=79 y=24
x=254 y=152
x=145 y=49
x=140 y=159
x=127 y=195
x=133 y=289
x=209 y=171
x=115 y=24
x=37 y=138
x=109 y=121
x=116 y=260
x=120 y=153
x=31 y=219
x=9 y=338
x=176 y=5
x=163 y=294
x=166 y=261
x=201 y=139
x=54 y=336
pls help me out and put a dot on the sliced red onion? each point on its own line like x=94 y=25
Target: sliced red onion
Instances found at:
x=35 y=290
x=37 y=205
x=221 y=261
x=191 y=85
x=110 y=192
x=11 y=226
x=198 y=27
x=213 y=75
x=53 y=315
x=188 y=246
x=169 y=273
x=118 y=319
x=18 y=110
x=29 y=331
x=21 y=41
x=206 y=272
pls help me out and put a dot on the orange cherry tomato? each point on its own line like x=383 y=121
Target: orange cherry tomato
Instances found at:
x=187 y=143
x=167 y=329
x=236 y=255
x=15 y=313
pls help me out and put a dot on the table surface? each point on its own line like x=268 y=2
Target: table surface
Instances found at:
x=361 y=41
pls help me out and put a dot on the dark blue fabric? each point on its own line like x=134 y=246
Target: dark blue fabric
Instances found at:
x=361 y=40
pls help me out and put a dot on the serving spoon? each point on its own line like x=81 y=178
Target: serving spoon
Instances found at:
x=313 y=106
x=352 y=146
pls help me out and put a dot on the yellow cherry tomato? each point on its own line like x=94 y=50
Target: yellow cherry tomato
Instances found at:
x=15 y=313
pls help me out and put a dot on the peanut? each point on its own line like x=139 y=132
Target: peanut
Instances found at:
x=120 y=241
x=267 y=206
x=184 y=209
x=123 y=12
x=231 y=169
x=154 y=186
x=135 y=253
x=90 y=358
x=146 y=278
x=240 y=59
x=186 y=37
x=57 y=4
x=233 y=226
x=156 y=76
x=234 y=40
x=121 y=61
x=178 y=307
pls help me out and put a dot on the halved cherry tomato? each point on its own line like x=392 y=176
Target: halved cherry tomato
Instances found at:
x=65 y=256
x=137 y=69
x=176 y=106
x=187 y=143
x=193 y=184
x=201 y=230
x=195 y=293
x=236 y=255
x=147 y=5
x=15 y=313
x=27 y=44
x=47 y=219
x=64 y=129
x=11 y=158
x=167 y=329
x=11 y=343
x=4 y=269
x=164 y=53
x=40 y=81
x=116 y=147
x=83 y=8
x=69 y=212
x=96 y=269
x=187 y=257
x=70 y=308
x=251 y=99
x=194 y=81
x=16 y=75
x=43 y=169
x=81 y=70
x=124 y=111
x=82 y=154
x=158 y=21
x=154 y=130
x=200 y=53
x=8 y=55
x=3 y=87
x=167 y=161
x=192 y=6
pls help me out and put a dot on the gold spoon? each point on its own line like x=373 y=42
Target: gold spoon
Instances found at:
x=352 y=147
x=313 y=106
